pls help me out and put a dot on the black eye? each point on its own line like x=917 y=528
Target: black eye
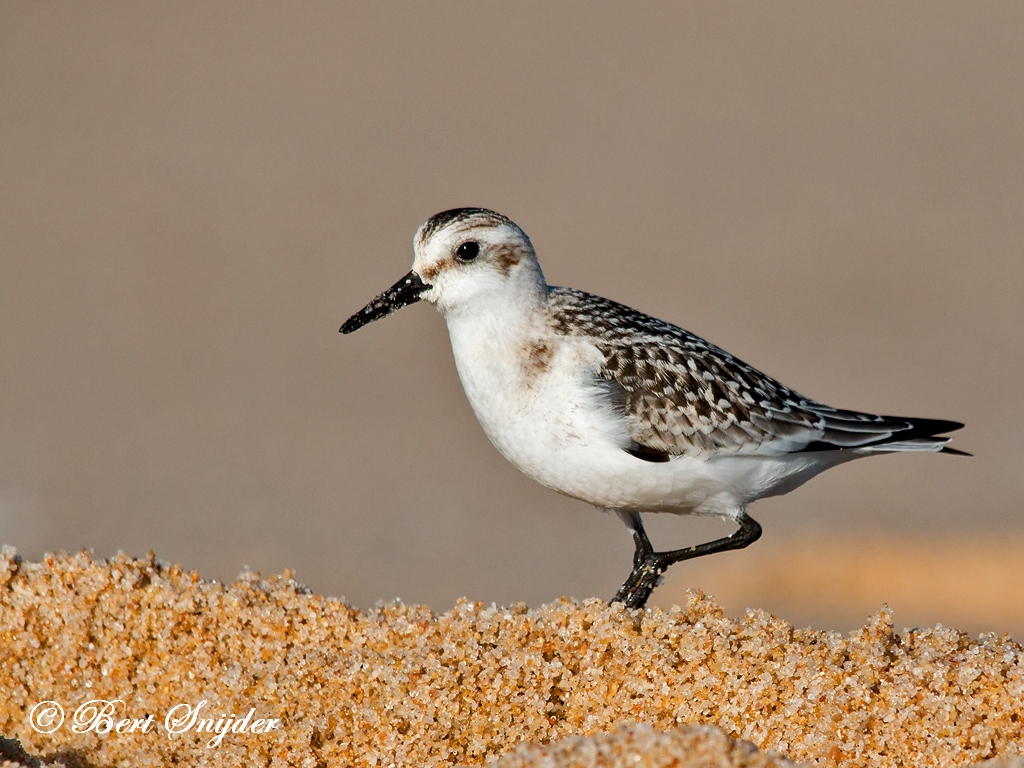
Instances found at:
x=468 y=251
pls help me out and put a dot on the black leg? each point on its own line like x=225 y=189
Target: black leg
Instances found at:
x=648 y=565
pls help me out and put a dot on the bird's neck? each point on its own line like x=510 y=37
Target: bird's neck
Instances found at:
x=499 y=319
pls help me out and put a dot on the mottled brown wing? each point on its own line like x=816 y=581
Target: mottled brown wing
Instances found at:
x=680 y=394
x=687 y=403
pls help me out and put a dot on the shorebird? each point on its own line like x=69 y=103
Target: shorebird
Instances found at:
x=608 y=405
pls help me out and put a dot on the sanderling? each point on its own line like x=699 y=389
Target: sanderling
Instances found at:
x=619 y=409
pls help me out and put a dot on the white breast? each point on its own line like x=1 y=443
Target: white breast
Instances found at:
x=530 y=395
x=535 y=396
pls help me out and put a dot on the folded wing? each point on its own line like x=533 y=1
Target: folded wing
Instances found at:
x=681 y=395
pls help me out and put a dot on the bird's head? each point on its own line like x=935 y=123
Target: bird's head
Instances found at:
x=461 y=257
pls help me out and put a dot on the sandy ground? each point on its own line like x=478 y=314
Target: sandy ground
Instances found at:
x=400 y=685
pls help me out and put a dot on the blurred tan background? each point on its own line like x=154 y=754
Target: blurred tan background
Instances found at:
x=194 y=196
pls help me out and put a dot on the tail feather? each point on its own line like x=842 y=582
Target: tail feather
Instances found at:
x=883 y=434
x=954 y=451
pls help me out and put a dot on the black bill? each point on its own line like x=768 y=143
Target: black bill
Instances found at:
x=406 y=291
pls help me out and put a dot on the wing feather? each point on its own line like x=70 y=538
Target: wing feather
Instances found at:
x=681 y=395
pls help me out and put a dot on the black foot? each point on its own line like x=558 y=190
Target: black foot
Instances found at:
x=648 y=565
x=641 y=582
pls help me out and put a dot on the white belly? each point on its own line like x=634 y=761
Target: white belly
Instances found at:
x=546 y=417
